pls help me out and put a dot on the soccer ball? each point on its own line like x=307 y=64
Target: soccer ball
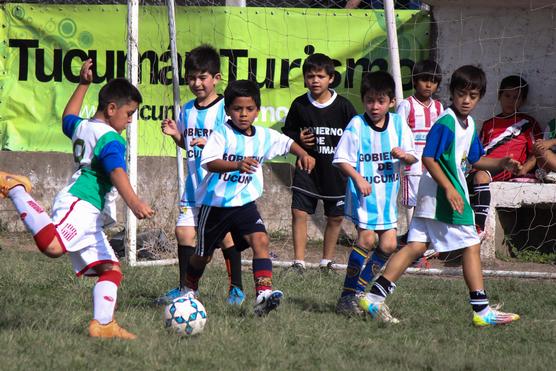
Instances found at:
x=185 y=316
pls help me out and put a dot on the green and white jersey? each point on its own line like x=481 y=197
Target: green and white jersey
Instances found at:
x=454 y=144
x=98 y=149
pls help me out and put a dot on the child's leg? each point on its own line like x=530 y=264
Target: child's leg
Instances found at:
x=399 y=263
x=232 y=258
x=386 y=246
x=299 y=232
x=32 y=214
x=480 y=198
x=356 y=260
x=331 y=234
x=195 y=270
x=185 y=235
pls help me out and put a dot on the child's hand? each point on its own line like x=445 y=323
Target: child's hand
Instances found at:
x=141 y=209
x=307 y=138
x=539 y=146
x=199 y=142
x=398 y=153
x=169 y=127
x=508 y=163
x=248 y=165
x=363 y=186
x=86 y=74
x=455 y=200
x=306 y=163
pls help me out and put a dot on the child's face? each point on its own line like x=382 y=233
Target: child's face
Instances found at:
x=203 y=84
x=377 y=105
x=120 y=117
x=425 y=88
x=510 y=101
x=317 y=81
x=465 y=100
x=243 y=111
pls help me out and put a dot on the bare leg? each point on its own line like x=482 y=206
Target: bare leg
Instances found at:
x=299 y=231
x=331 y=234
x=398 y=263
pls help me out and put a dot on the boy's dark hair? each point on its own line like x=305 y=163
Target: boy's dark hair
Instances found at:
x=203 y=58
x=318 y=61
x=514 y=82
x=426 y=70
x=379 y=82
x=468 y=77
x=242 y=88
x=119 y=91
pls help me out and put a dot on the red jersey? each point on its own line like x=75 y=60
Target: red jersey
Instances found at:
x=511 y=135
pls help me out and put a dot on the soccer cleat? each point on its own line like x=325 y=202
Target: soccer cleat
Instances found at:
x=329 y=267
x=175 y=293
x=377 y=309
x=349 y=305
x=297 y=268
x=494 y=317
x=110 y=330
x=235 y=296
x=8 y=181
x=266 y=301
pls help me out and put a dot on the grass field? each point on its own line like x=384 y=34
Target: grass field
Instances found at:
x=44 y=311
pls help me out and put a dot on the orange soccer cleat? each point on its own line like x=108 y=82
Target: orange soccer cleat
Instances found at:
x=110 y=330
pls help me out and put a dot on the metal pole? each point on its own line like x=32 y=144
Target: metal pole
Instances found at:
x=393 y=49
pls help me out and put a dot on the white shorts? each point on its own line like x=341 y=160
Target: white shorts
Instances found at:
x=188 y=216
x=79 y=226
x=410 y=186
x=443 y=237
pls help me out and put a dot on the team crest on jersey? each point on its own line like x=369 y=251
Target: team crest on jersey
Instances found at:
x=464 y=165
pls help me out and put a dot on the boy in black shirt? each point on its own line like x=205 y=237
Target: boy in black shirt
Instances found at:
x=316 y=121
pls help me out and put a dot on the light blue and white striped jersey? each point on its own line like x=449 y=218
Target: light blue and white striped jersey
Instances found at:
x=230 y=144
x=368 y=149
x=197 y=122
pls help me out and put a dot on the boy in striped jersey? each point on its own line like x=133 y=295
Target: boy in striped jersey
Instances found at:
x=79 y=209
x=370 y=153
x=420 y=111
x=198 y=118
x=234 y=155
x=443 y=217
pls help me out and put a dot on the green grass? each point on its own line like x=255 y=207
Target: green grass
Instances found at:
x=44 y=311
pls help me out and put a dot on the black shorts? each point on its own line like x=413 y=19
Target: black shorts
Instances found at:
x=332 y=206
x=214 y=222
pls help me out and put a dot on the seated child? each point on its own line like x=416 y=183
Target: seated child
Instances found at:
x=510 y=133
x=234 y=155
x=545 y=153
x=371 y=152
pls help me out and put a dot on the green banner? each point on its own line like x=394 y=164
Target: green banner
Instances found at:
x=45 y=45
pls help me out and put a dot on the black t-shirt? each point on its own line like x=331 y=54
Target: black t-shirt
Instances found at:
x=327 y=121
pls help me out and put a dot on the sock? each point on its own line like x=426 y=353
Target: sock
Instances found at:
x=378 y=259
x=356 y=259
x=105 y=294
x=262 y=273
x=193 y=276
x=478 y=300
x=184 y=253
x=324 y=262
x=232 y=258
x=382 y=287
x=481 y=203
x=34 y=217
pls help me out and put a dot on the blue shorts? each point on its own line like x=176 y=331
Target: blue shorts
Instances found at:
x=214 y=222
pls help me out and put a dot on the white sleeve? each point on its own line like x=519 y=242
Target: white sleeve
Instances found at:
x=214 y=149
x=347 y=149
x=408 y=142
x=280 y=145
x=403 y=109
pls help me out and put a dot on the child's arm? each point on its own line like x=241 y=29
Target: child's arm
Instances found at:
x=543 y=145
x=528 y=165
x=247 y=165
x=119 y=179
x=304 y=161
x=170 y=128
x=400 y=154
x=442 y=180
x=73 y=107
x=494 y=164
x=362 y=185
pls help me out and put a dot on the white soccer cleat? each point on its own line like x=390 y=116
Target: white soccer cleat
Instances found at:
x=267 y=301
x=377 y=309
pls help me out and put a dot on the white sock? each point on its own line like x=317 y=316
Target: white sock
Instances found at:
x=105 y=294
x=32 y=214
x=324 y=262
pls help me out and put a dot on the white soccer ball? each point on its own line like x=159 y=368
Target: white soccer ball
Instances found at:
x=185 y=316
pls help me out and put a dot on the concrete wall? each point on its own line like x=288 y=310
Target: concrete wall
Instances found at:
x=503 y=37
x=157 y=185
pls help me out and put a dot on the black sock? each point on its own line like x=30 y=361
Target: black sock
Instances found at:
x=184 y=253
x=478 y=300
x=382 y=287
x=233 y=265
x=481 y=203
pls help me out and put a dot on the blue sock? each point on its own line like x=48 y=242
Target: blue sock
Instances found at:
x=378 y=259
x=355 y=263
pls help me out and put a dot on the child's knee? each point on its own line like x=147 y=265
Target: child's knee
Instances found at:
x=299 y=215
x=481 y=177
x=49 y=243
x=335 y=221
